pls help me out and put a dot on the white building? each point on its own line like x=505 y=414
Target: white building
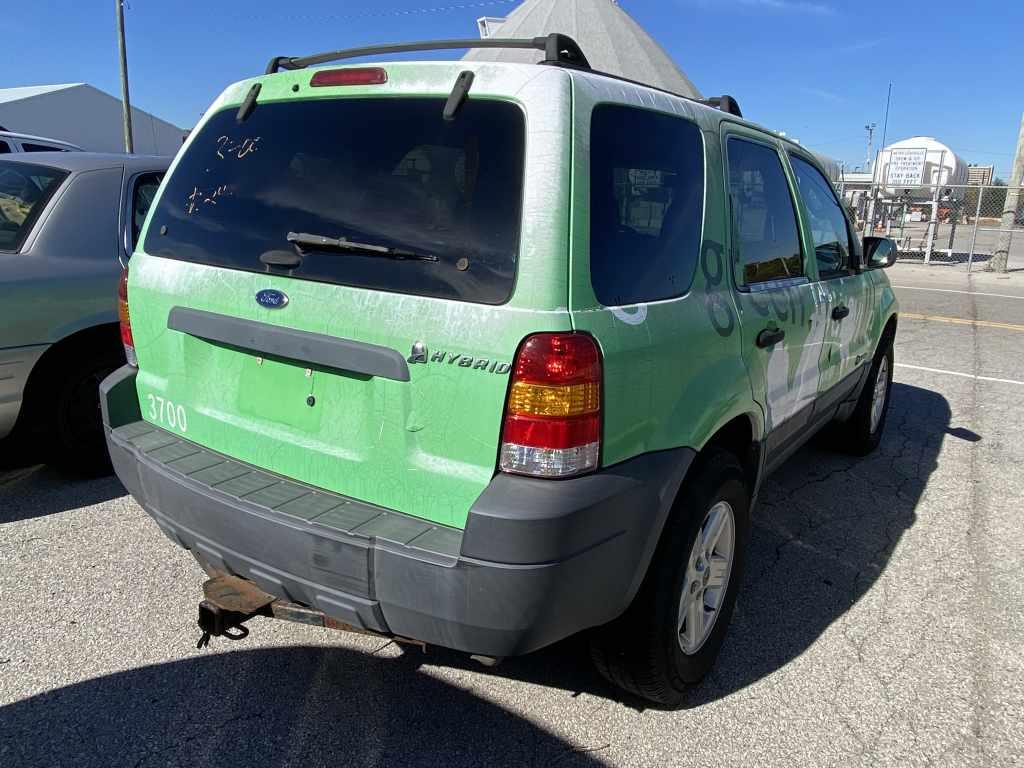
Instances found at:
x=86 y=116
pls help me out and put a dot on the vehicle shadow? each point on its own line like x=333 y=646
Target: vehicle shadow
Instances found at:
x=35 y=491
x=825 y=527
x=301 y=706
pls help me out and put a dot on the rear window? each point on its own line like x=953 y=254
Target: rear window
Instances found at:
x=24 y=191
x=382 y=172
x=646 y=204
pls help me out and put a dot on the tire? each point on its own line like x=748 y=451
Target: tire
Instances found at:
x=72 y=425
x=642 y=652
x=862 y=432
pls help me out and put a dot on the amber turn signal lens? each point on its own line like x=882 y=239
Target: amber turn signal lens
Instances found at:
x=528 y=399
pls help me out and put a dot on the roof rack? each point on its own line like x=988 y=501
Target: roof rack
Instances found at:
x=724 y=103
x=558 y=49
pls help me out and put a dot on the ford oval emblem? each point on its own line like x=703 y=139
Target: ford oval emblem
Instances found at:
x=271 y=299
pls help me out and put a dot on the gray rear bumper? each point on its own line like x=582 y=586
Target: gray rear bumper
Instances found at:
x=539 y=559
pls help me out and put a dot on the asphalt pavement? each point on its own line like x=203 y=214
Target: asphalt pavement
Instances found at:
x=880 y=621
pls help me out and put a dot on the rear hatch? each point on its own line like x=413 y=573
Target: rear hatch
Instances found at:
x=373 y=362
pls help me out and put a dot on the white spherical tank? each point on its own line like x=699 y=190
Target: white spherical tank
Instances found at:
x=912 y=167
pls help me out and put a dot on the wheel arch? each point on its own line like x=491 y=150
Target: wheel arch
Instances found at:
x=889 y=330
x=103 y=336
x=741 y=436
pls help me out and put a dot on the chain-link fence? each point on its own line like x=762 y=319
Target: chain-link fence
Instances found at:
x=981 y=226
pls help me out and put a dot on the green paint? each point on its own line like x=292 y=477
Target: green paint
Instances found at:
x=675 y=371
x=427 y=447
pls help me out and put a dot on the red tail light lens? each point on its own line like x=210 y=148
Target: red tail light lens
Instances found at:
x=356 y=76
x=125 y=320
x=553 y=415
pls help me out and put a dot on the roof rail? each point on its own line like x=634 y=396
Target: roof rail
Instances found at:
x=724 y=103
x=558 y=49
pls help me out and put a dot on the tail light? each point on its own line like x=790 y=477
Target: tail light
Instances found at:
x=125 y=320
x=553 y=416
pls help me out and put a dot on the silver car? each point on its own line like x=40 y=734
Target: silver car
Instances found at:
x=68 y=220
x=24 y=142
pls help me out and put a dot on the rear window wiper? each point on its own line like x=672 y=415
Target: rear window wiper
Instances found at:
x=305 y=241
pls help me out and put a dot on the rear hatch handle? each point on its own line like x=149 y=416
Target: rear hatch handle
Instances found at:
x=309 y=349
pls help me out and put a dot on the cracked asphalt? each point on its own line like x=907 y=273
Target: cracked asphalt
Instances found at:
x=880 y=621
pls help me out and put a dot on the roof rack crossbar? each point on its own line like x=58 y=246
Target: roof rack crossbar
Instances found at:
x=560 y=49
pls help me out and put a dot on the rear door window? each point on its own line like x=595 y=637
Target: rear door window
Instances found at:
x=646 y=204
x=390 y=173
x=5 y=148
x=142 y=199
x=24 y=192
x=764 y=220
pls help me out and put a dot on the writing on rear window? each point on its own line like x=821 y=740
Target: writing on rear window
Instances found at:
x=227 y=146
x=164 y=411
x=388 y=172
x=199 y=197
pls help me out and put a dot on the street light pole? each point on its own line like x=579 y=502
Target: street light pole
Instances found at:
x=125 y=103
x=870 y=128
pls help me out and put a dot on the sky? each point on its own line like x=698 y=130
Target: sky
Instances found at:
x=817 y=69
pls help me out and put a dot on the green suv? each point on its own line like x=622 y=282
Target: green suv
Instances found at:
x=483 y=355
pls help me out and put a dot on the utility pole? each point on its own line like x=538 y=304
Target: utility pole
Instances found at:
x=870 y=128
x=1002 y=254
x=885 y=125
x=126 y=106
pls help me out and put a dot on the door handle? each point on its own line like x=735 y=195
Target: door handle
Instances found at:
x=770 y=337
x=840 y=312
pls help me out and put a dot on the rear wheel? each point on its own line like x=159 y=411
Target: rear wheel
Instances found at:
x=670 y=635
x=73 y=438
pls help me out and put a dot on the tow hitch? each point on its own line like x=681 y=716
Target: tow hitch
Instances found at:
x=231 y=601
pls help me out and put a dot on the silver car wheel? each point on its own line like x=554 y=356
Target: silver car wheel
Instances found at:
x=707 y=577
x=879 y=395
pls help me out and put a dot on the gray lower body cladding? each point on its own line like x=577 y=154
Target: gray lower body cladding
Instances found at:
x=538 y=560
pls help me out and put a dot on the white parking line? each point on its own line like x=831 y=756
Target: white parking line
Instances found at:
x=952 y=290
x=959 y=373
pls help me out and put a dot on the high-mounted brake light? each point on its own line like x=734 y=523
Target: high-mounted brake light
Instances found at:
x=356 y=76
x=553 y=416
x=125 y=320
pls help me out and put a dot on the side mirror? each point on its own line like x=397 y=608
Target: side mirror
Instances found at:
x=879 y=252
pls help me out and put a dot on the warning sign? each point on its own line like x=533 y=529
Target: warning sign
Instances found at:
x=906 y=167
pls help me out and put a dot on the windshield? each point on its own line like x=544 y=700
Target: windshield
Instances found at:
x=384 y=172
x=24 y=190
